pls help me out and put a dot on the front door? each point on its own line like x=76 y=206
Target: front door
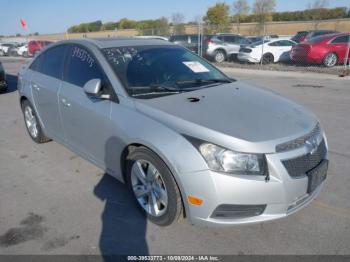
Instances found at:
x=86 y=120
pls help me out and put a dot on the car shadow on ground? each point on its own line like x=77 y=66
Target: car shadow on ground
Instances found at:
x=11 y=83
x=123 y=225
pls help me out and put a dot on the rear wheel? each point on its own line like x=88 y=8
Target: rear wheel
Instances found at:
x=153 y=186
x=219 y=56
x=267 y=59
x=330 y=60
x=32 y=123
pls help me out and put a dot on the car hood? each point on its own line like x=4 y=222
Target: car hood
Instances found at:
x=235 y=113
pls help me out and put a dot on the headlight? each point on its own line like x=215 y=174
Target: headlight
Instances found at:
x=224 y=160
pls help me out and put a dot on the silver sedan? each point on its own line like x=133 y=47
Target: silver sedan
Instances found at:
x=186 y=139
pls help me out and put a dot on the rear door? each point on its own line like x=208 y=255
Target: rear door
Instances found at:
x=86 y=120
x=45 y=84
x=339 y=45
x=232 y=44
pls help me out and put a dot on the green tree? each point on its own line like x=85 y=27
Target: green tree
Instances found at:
x=218 y=17
x=263 y=12
x=125 y=23
x=178 y=20
x=240 y=9
x=109 y=26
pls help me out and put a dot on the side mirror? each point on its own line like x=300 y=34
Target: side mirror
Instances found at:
x=93 y=88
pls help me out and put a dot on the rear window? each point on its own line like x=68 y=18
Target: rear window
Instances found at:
x=317 y=39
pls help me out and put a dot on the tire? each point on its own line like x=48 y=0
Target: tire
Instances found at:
x=32 y=123
x=219 y=56
x=330 y=60
x=268 y=59
x=25 y=54
x=163 y=192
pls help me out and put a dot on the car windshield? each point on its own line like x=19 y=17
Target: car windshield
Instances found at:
x=147 y=71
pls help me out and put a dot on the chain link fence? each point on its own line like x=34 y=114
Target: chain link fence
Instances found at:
x=313 y=46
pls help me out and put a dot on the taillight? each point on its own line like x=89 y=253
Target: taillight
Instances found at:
x=209 y=42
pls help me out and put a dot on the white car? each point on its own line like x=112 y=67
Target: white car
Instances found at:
x=23 y=50
x=269 y=51
x=4 y=48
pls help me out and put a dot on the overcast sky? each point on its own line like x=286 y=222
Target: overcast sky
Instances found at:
x=46 y=16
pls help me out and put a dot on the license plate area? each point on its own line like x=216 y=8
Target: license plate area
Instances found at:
x=317 y=175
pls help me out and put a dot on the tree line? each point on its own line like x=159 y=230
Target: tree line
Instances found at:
x=219 y=17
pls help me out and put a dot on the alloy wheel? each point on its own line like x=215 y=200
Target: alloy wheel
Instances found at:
x=219 y=57
x=331 y=60
x=31 y=121
x=149 y=188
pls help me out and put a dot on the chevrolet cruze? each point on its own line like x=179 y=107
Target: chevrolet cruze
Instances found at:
x=186 y=139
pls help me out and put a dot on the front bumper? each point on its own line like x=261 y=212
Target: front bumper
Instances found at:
x=282 y=194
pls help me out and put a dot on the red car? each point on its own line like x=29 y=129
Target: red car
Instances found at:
x=35 y=46
x=328 y=50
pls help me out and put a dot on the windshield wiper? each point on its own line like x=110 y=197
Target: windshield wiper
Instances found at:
x=203 y=81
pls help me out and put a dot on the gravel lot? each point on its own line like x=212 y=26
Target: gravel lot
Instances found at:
x=54 y=202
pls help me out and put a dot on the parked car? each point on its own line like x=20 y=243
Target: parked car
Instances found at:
x=254 y=39
x=180 y=133
x=303 y=36
x=5 y=47
x=3 y=84
x=270 y=51
x=328 y=50
x=35 y=46
x=223 y=46
x=189 y=41
x=23 y=50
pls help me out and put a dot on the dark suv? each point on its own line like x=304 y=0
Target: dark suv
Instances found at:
x=304 y=36
x=188 y=41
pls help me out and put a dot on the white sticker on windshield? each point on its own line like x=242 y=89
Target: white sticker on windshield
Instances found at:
x=196 y=67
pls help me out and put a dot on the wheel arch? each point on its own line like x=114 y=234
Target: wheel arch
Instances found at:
x=123 y=165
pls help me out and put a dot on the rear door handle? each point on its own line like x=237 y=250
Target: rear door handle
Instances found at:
x=36 y=87
x=65 y=102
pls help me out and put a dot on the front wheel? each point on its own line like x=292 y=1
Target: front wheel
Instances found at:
x=330 y=60
x=153 y=186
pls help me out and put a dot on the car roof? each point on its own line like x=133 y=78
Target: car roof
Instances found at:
x=117 y=42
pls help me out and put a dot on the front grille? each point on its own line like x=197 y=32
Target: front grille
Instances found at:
x=299 y=142
x=299 y=166
x=237 y=211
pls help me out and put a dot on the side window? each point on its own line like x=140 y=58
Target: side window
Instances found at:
x=53 y=61
x=231 y=39
x=37 y=63
x=341 y=40
x=286 y=43
x=274 y=43
x=82 y=67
